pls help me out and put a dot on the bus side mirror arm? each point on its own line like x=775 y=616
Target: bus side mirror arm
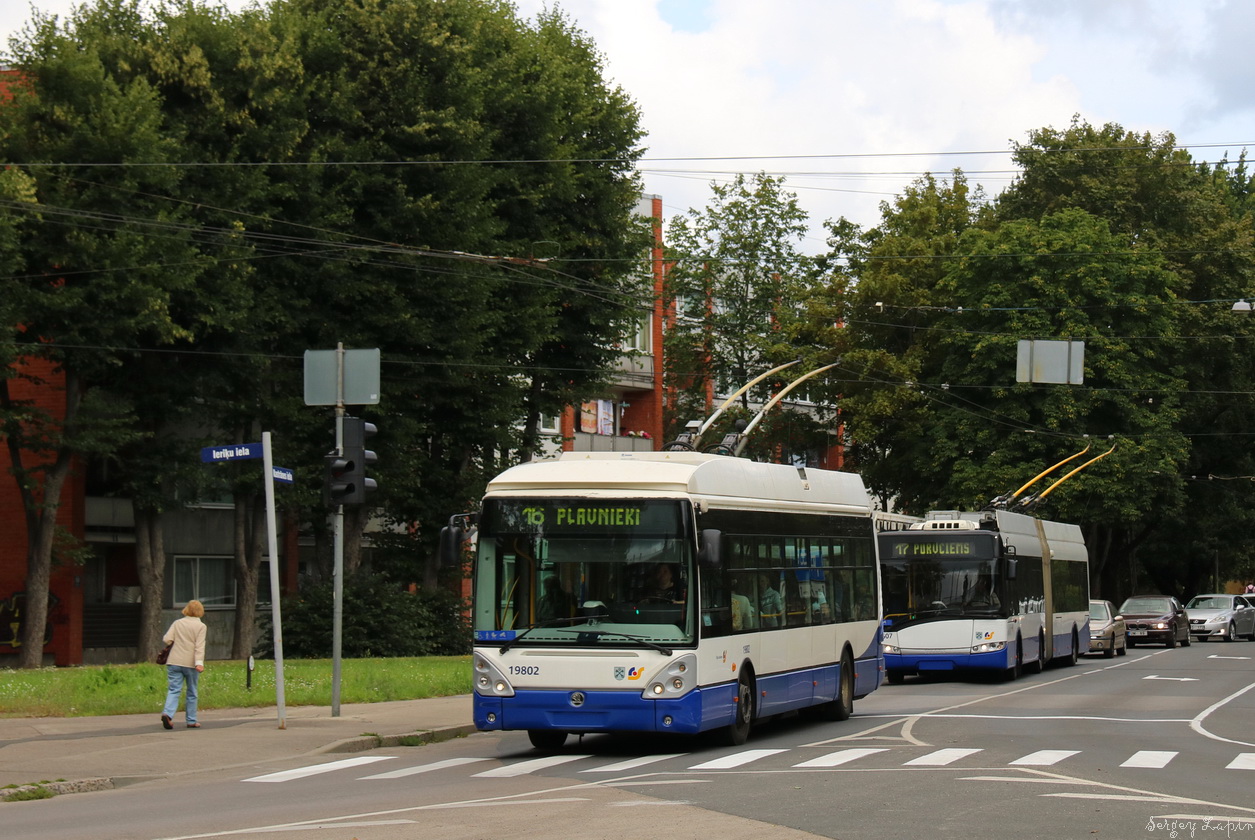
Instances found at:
x=452 y=537
x=710 y=549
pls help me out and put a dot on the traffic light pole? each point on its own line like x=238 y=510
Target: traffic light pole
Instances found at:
x=337 y=526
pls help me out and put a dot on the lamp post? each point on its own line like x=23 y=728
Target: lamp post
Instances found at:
x=1242 y=306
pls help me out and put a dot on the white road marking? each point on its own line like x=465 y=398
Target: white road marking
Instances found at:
x=423 y=768
x=303 y=772
x=1155 y=759
x=940 y=758
x=840 y=757
x=525 y=767
x=735 y=760
x=1244 y=761
x=1044 y=758
x=632 y=763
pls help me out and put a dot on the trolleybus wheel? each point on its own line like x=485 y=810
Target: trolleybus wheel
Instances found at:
x=546 y=739
x=895 y=677
x=1017 y=666
x=739 y=730
x=1036 y=666
x=842 y=706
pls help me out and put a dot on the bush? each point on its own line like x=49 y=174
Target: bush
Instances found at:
x=378 y=619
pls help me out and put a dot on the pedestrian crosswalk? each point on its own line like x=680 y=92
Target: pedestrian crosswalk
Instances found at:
x=765 y=760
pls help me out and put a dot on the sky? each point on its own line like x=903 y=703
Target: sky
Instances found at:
x=852 y=100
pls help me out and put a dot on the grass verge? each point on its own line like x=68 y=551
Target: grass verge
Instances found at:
x=138 y=689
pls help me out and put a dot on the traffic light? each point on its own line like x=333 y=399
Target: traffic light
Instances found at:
x=346 y=482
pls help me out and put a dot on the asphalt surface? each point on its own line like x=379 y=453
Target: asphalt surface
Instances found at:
x=74 y=754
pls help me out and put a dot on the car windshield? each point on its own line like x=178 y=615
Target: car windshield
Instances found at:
x=1146 y=605
x=1098 y=610
x=1210 y=602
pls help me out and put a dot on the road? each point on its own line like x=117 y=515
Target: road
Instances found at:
x=1134 y=747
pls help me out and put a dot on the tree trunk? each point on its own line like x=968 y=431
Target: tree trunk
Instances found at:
x=150 y=564
x=250 y=530
x=41 y=524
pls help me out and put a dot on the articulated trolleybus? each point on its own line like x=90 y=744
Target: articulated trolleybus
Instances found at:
x=993 y=590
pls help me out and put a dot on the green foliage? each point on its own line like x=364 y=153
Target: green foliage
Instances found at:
x=1108 y=237
x=737 y=281
x=378 y=619
x=134 y=689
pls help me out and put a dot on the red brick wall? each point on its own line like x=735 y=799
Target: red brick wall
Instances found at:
x=65 y=619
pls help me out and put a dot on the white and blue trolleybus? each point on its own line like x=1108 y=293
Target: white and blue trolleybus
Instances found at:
x=672 y=591
x=993 y=590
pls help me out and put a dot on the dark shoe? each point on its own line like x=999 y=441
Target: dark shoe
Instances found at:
x=166 y=722
x=193 y=726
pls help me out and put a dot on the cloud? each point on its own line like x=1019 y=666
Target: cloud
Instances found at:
x=853 y=100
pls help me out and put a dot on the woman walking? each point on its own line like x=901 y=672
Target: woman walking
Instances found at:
x=185 y=663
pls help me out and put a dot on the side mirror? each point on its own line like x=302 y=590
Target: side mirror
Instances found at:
x=1011 y=564
x=450 y=545
x=710 y=549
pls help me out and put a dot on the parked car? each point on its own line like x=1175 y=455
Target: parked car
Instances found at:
x=1106 y=630
x=1225 y=617
x=1156 y=618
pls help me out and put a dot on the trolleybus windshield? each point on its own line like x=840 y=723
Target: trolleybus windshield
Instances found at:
x=581 y=572
x=928 y=575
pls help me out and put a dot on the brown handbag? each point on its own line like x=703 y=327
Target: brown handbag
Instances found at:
x=165 y=654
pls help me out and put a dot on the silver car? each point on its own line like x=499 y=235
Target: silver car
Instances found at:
x=1227 y=617
x=1106 y=630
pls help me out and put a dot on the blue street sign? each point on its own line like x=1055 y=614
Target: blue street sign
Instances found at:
x=282 y=474
x=230 y=452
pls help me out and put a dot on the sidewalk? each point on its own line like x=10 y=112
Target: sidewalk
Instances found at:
x=98 y=753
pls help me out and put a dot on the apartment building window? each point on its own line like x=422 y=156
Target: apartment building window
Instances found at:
x=209 y=580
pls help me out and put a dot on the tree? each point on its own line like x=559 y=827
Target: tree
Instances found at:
x=437 y=179
x=1108 y=237
x=736 y=281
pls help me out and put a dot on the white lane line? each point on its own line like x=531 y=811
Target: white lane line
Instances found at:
x=632 y=763
x=734 y=760
x=940 y=758
x=525 y=767
x=1244 y=761
x=1154 y=759
x=303 y=772
x=840 y=757
x=422 y=768
x=1044 y=758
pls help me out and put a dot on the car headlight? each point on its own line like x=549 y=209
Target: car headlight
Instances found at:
x=1160 y=625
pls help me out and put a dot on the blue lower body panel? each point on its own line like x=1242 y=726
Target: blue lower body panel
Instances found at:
x=702 y=709
x=603 y=711
x=908 y=663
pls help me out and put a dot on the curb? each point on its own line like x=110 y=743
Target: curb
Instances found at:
x=80 y=786
x=346 y=745
x=413 y=739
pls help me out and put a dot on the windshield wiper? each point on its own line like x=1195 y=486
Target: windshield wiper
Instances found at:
x=553 y=622
x=665 y=651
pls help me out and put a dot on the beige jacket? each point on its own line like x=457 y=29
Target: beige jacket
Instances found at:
x=188 y=635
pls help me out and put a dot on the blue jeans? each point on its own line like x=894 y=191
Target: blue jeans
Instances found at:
x=177 y=675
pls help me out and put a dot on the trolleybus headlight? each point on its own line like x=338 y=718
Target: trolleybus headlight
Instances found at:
x=988 y=647
x=489 y=681
x=674 y=679
x=888 y=648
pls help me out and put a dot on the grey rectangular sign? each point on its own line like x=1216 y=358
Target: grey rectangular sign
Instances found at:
x=361 y=377
x=1053 y=362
